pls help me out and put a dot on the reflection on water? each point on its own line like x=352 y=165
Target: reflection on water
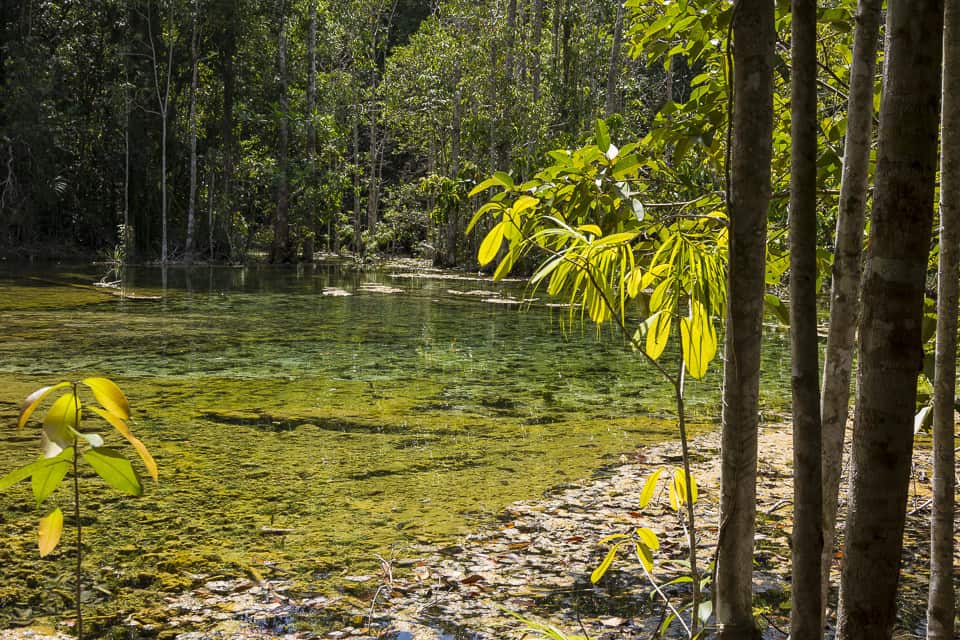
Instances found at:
x=405 y=412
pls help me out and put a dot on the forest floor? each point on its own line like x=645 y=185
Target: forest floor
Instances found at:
x=536 y=561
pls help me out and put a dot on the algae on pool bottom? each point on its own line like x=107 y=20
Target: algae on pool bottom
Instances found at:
x=359 y=423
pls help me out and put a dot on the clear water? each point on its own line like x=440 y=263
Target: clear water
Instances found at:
x=365 y=423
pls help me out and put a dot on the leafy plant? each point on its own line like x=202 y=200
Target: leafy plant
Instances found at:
x=611 y=256
x=63 y=444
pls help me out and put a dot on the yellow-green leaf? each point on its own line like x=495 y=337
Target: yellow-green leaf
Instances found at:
x=698 y=339
x=115 y=470
x=649 y=487
x=109 y=395
x=34 y=399
x=51 y=528
x=645 y=556
x=523 y=203
x=59 y=425
x=613 y=536
x=674 y=498
x=491 y=244
x=141 y=448
x=28 y=470
x=591 y=229
x=607 y=561
x=632 y=282
x=648 y=538
x=46 y=479
x=658 y=333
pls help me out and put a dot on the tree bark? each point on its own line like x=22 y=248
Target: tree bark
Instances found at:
x=313 y=222
x=890 y=354
x=280 y=251
x=613 y=71
x=748 y=200
x=806 y=611
x=845 y=293
x=192 y=204
x=941 y=597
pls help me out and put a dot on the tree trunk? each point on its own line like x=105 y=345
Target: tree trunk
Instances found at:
x=845 y=294
x=210 y=192
x=748 y=200
x=313 y=223
x=890 y=353
x=613 y=72
x=228 y=48
x=281 y=229
x=192 y=204
x=806 y=609
x=940 y=604
x=535 y=46
x=510 y=41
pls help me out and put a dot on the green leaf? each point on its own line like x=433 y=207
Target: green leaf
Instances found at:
x=51 y=528
x=644 y=556
x=698 y=339
x=28 y=470
x=109 y=395
x=490 y=246
x=777 y=307
x=658 y=333
x=34 y=399
x=646 y=494
x=46 y=480
x=603 y=135
x=503 y=179
x=523 y=203
x=124 y=430
x=648 y=538
x=607 y=561
x=115 y=470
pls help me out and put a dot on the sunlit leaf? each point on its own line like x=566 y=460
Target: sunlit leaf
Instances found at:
x=646 y=494
x=115 y=470
x=59 y=425
x=524 y=203
x=109 y=395
x=592 y=229
x=607 y=561
x=698 y=339
x=649 y=538
x=613 y=536
x=491 y=244
x=34 y=399
x=602 y=134
x=28 y=470
x=658 y=333
x=705 y=610
x=644 y=556
x=51 y=528
x=46 y=479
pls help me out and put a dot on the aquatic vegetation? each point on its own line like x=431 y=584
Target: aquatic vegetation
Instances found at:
x=61 y=442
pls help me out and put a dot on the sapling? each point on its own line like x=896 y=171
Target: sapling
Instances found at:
x=63 y=444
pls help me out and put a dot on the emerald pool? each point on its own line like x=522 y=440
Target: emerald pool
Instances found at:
x=357 y=412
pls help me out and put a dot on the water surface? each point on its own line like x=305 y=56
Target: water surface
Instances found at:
x=407 y=412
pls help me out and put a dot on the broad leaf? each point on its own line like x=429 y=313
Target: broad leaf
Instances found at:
x=34 y=399
x=649 y=487
x=141 y=448
x=491 y=245
x=51 y=528
x=698 y=339
x=109 y=395
x=607 y=561
x=28 y=470
x=59 y=425
x=115 y=470
x=658 y=333
x=648 y=538
x=603 y=136
x=46 y=480
x=644 y=556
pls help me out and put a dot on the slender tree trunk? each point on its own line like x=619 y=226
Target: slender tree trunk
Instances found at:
x=228 y=49
x=357 y=244
x=210 y=192
x=845 y=294
x=313 y=222
x=890 y=353
x=192 y=204
x=535 y=46
x=613 y=72
x=510 y=41
x=373 y=182
x=163 y=105
x=806 y=609
x=748 y=200
x=281 y=230
x=941 y=601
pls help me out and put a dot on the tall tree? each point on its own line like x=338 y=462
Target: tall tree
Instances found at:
x=281 y=247
x=312 y=220
x=845 y=292
x=613 y=71
x=806 y=611
x=748 y=200
x=192 y=197
x=890 y=350
x=941 y=603
x=162 y=75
